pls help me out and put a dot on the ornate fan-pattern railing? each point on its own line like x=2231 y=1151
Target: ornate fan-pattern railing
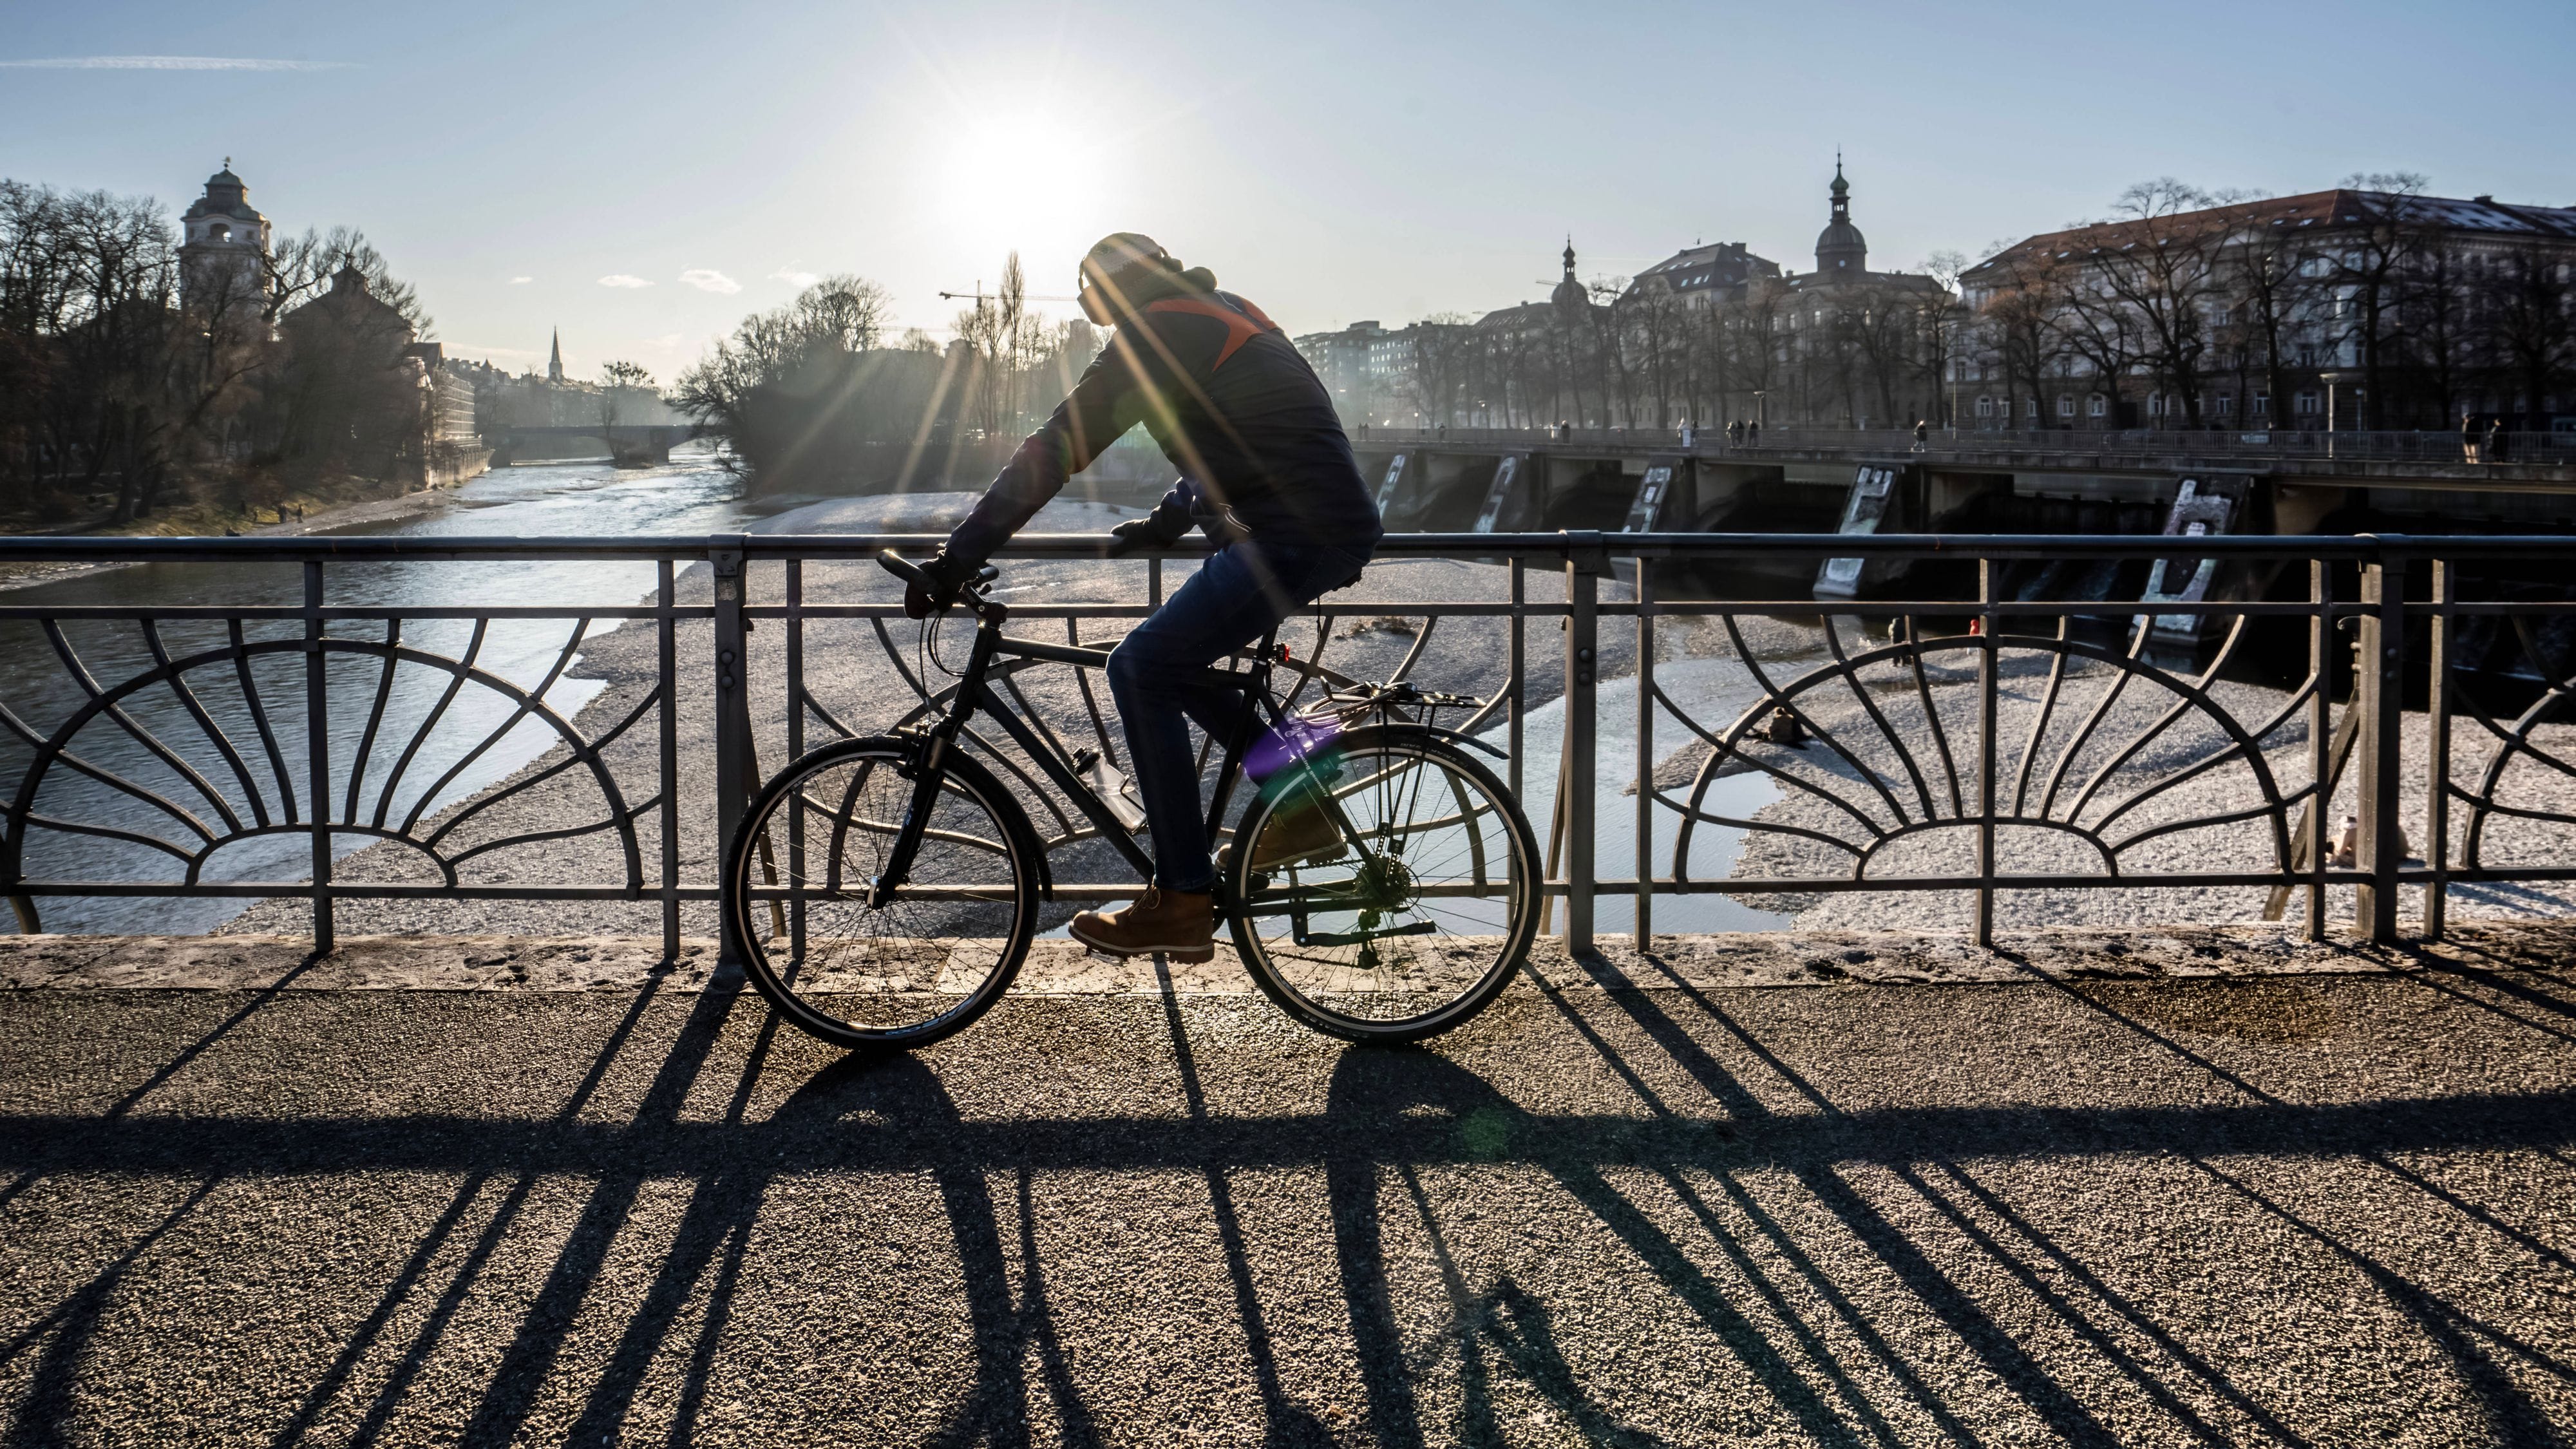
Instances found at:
x=2000 y=742
x=204 y=751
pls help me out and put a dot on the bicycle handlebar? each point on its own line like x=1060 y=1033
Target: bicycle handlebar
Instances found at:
x=915 y=575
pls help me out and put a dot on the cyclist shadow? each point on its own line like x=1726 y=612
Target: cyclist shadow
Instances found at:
x=1008 y=1310
x=1388 y=1114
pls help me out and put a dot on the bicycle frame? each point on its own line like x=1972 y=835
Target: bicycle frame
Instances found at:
x=975 y=693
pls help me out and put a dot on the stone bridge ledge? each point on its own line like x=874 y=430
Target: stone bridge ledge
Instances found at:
x=1811 y=959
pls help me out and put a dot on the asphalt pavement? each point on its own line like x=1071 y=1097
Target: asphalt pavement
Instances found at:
x=2301 y=1209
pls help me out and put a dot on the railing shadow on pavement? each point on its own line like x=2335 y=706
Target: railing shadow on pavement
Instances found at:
x=1394 y=1132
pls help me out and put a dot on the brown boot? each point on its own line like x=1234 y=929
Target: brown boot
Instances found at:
x=1299 y=835
x=1178 y=924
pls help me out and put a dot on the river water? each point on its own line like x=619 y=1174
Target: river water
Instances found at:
x=458 y=746
x=691 y=495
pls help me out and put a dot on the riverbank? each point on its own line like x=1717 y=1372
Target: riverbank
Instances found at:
x=320 y=516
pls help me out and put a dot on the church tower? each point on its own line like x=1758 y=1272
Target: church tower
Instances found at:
x=554 y=364
x=1570 y=298
x=223 y=252
x=1842 y=253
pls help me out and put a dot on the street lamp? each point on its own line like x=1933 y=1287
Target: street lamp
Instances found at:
x=1761 y=414
x=2330 y=379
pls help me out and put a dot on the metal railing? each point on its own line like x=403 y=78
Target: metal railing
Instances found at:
x=1995 y=717
x=2551 y=449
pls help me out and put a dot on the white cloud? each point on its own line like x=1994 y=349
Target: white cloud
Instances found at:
x=521 y=281
x=621 y=279
x=707 y=279
x=170 y=62
x=794 y=278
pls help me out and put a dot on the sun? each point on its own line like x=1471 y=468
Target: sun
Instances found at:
x=1026 y=182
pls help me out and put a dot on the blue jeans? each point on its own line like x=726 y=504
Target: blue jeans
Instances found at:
x=1240 y=594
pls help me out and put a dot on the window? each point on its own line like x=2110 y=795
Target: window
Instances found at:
x=2307 y=403
x=2094 y=406
x=2261 y=406
x=1985 y=407
x=2030 y=408
x=2066 y=406
x=2155 y=405
x=2226 y=403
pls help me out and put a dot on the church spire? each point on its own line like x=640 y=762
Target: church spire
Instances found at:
x=554 y=364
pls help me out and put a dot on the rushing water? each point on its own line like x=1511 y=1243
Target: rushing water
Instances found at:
x=689 y=496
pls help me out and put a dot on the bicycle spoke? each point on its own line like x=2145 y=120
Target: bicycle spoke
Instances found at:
x=874 y=960
x=1417 y=914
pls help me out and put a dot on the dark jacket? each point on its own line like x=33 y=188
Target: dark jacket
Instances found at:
x=1234 y=407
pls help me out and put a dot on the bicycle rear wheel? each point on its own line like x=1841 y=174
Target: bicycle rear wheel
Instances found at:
x=915 y=967
x=1404 y=910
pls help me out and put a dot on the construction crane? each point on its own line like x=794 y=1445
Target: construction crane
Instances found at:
x=979 y=295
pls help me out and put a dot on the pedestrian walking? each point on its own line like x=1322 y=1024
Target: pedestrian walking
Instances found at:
x=1922 y=435
x=2468 y=437
x=1753 y=433
x=2495 y=440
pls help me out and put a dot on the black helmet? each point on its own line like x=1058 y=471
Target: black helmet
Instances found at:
x=1112 y=269
x=1125 y=270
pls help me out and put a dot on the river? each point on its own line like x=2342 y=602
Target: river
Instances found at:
x=691 y=495
x=460 y=755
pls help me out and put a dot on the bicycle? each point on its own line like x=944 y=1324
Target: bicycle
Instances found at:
x=883 y=891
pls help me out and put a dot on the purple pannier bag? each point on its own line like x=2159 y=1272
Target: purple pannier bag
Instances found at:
x=1285 y=743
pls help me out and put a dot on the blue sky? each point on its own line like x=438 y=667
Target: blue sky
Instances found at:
x=1333 y=161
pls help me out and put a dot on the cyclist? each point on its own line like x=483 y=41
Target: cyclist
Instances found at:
x=1266 y=473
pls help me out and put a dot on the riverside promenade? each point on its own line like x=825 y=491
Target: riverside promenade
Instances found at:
x=2096 y=1187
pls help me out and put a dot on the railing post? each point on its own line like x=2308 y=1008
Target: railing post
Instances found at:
x=2380 y=695
x=2437 y=756
x=1645 y=757
x=1516 y=670
x=1986 y=687
x=734 y=781
x=666 y=595
x=1585 y=561
x=317 y=754
x=795 y=750
x=2321 y=645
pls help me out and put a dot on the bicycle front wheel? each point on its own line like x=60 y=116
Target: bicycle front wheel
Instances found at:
x=1384 y=890
x=862 y=968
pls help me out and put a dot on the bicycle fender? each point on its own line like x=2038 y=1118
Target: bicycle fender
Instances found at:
x=1454 y=737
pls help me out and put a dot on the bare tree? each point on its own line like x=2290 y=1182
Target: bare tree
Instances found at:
x=1442 y=363
x=301 y=268
x=2266 y=296
x=615 y=380
x=1937 y=320
x=2369 y=270
x=2527 y=301
x=838 y=316
x=2152 y=279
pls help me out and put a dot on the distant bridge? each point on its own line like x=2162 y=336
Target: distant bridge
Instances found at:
x=534 y=444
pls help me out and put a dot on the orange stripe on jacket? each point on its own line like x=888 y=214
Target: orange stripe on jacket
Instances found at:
x=1239 y=329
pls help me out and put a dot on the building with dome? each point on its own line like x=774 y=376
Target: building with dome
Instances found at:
x=1857 y=348
x=223 y=253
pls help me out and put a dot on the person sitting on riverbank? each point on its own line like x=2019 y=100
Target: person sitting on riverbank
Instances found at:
x=1266 y=472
